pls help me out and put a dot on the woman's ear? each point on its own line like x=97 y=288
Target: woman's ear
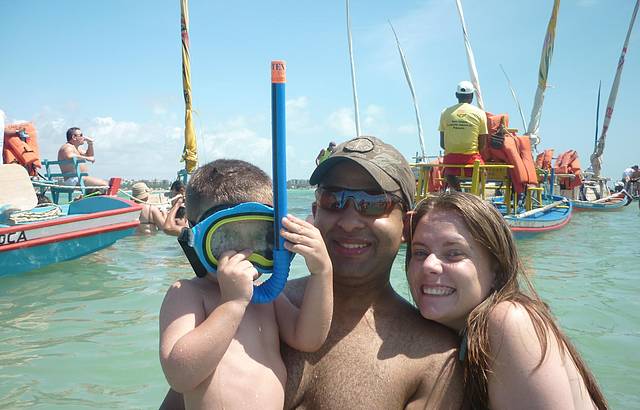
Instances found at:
x=406 y=226
x=314 y=209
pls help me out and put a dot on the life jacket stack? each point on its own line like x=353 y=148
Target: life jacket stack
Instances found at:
x=543 y=162
x=436 y=183
x=516 y=151
x=568 y=163
x=20 y=146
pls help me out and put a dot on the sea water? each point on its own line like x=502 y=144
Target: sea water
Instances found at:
x=83 y=334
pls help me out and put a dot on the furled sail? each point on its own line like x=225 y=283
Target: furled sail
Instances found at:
x=543 y=73
x=596 y=157
x=473 y=72
x=190 y=152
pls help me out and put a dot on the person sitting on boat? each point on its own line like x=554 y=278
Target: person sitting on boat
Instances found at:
x=324 y=153
x=70 y=150
x=216 y=348
x=176 y=218
x=464 y=272
x=151 y=217
x=463 y=127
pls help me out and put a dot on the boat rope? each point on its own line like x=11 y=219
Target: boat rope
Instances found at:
x=74 y=187
x=22 y=217
x=147 y=202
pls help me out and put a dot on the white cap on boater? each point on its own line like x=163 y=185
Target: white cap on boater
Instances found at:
x=465 y=87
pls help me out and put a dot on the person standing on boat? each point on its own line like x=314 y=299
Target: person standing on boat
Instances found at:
x=324 y=153
x=70 y=150
x=463 y=127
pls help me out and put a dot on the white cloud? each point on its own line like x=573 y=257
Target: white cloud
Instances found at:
x=341 y=122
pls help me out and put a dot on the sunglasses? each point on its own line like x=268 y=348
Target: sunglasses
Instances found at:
x=366 y=203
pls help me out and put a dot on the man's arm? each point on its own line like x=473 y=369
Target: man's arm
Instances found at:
x=170 y=227
x=442 y=139
x=89 y=152
x=69 y=152
x=157 y=217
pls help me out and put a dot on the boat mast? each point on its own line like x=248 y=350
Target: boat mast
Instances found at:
x=596 y=157
x=595 y=143
x=407 y=75
x=353 y=73
x=515 y=98
x=473 y=72
x=543 y=74
x=190 y=151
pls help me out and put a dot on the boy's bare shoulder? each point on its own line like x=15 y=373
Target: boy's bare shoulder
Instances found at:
x=193 y=287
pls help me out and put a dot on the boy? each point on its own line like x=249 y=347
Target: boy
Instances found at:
x=216 y=348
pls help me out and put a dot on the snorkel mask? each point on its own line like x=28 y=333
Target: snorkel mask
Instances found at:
x=250 y=225
x=230 y=227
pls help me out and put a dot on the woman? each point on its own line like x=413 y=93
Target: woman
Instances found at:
x=151 y=218
x=464 y=272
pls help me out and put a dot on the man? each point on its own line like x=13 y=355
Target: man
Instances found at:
x=463 y=128
x=380 y=353
x=324 y=153
x=70 y=150
x=630 y=175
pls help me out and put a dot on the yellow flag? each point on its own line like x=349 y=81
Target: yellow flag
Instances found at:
x=190 y=152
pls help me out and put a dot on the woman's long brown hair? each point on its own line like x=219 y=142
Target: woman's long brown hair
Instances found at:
x=489 y=229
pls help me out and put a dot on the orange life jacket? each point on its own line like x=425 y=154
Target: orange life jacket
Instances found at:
x=516 y=151
x=568 y=163
x=436 y=183
x=19 y=151
x=543 y=160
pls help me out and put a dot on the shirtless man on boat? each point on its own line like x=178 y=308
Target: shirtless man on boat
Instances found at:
x=380 y=353
x=70 y=150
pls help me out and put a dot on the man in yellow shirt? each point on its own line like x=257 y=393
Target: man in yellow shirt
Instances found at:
x=463 y=127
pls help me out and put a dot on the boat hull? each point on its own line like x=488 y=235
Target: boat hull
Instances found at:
x=523 y=225
x=613 y=203
x=89 y=225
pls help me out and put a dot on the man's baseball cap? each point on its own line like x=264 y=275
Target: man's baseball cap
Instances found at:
x=384 y=163
x=465 y=87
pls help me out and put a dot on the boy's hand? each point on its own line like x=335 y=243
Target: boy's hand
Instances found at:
x=236 y=275
x=303 y=238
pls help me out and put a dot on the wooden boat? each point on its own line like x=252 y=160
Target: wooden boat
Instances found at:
x=33 y=236
x=614 y=202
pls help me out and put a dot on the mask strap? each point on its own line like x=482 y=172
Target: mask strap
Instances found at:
x=186 y=242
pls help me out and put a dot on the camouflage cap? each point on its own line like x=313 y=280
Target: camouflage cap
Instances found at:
x=384 y=163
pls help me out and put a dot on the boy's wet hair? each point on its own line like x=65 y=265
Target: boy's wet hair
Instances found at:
x=226 y=181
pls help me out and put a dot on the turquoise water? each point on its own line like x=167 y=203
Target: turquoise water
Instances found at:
x=84 y=333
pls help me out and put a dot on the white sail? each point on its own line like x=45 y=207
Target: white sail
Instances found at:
x=596 y=157
x=407 y=75
x=543 y=74
x=353 y=74
x=473 y=72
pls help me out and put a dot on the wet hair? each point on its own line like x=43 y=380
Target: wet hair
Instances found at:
x=177 y=186
x=488 y=228
x=70 y=132
x=226 y=181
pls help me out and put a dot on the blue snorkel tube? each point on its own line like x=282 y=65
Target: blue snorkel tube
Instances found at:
x=270 y=289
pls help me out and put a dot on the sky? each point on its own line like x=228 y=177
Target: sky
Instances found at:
x=113 y=68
